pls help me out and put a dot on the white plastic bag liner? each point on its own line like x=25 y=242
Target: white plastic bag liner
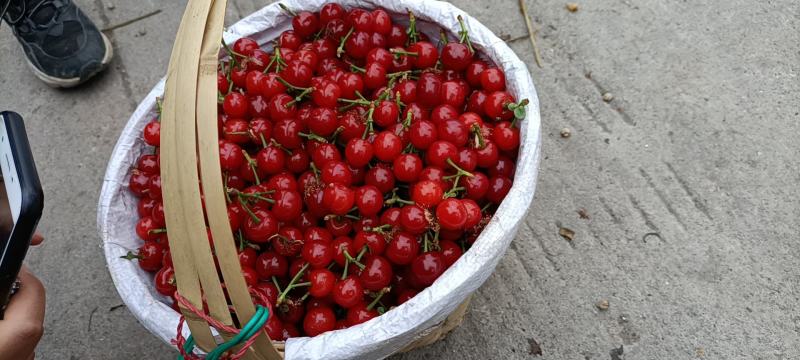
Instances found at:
x=386 y=334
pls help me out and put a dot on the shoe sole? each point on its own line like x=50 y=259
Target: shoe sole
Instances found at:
x=72 y=82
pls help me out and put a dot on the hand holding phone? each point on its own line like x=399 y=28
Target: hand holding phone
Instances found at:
x=21 y=201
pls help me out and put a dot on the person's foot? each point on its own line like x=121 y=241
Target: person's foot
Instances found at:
x=62 y=45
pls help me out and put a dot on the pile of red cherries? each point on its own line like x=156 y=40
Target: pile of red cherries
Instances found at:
x=361 y=159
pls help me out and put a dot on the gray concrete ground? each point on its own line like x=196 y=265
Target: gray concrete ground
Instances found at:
x=688 y=177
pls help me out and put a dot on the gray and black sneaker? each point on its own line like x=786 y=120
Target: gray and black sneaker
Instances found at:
x=62 y=45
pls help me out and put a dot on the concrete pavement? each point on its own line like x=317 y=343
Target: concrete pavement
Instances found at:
x=688 y=179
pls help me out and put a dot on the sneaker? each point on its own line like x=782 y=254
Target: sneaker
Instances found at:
x=62 y=46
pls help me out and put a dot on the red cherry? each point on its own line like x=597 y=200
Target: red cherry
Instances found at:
x=154 y=187
x=369 y=200
x=260 y=231
x=488 y=155
x=318 y=254
x=380 y=56
x=360 y=19
x=326 y=95
x=374 y=75
x=288 y=205
x=476 y=102
x=493 y=80
x=413 y=219
x=297 y=162
x=165 y=281
x=319 y=320
x=498 y=189
x=474 y=71
x=146 y=229
x=271 y=264
x=407 y=90
x=287 y=133
x=318 y=234
x=152 y=133
x=377 y=273
x=336 y=172
x=397 y=36
x=349 y=84
x=427 y=54
x=387 y=146
x=289 y=40
x=305 y=24
x=338 y=198
x=496 y=105
x=374 y=241
x=476 y=186
x=506 y=136
x=145 y=206
x=360 y=314
x=358 y=44
x=348 y=292
x=271 y=159
x=453 y=131
x=150 y=256
x=358 y=152
x=381 y=177
x=451 y=214
x=322 y=282
x=456 y=56
x=453 y=93
x=426 y=268
x=402 y=249
x=245 y=46
x=427 y=193
x=331 y=11
x=235 y=105
x=503 y=167
x=429 y=89
x=407 y=167
x=386 y=113
x=439 y=152
x=381 y=22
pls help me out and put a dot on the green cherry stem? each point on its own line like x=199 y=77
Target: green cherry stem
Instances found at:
x=413 y=35
x=465 y=34
x=340 y=49
x=287 y=10
x=293 y=284
x=378 y=298
x=461 y=172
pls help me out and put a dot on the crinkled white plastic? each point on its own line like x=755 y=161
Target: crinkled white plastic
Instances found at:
x=386 y=334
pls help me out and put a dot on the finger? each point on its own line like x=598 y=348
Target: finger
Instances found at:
x=27 y=305
x=37 y=238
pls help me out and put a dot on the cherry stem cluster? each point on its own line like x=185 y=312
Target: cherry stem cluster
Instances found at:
x=378 y=297
x=457 y=176
x=292 y=284
x=252 y=164
x=276 y=59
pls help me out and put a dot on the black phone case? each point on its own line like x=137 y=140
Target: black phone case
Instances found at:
x=30 y=211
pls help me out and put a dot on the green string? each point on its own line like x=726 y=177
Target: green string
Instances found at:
x=251 y=328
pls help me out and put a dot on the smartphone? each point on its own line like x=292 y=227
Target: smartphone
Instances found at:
x=21 y=201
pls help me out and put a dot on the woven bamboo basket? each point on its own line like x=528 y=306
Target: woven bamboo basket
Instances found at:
x=189 y=156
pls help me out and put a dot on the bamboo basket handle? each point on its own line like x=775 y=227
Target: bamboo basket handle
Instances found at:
x=183 y=206
x=213 y=187
x=171 y=170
